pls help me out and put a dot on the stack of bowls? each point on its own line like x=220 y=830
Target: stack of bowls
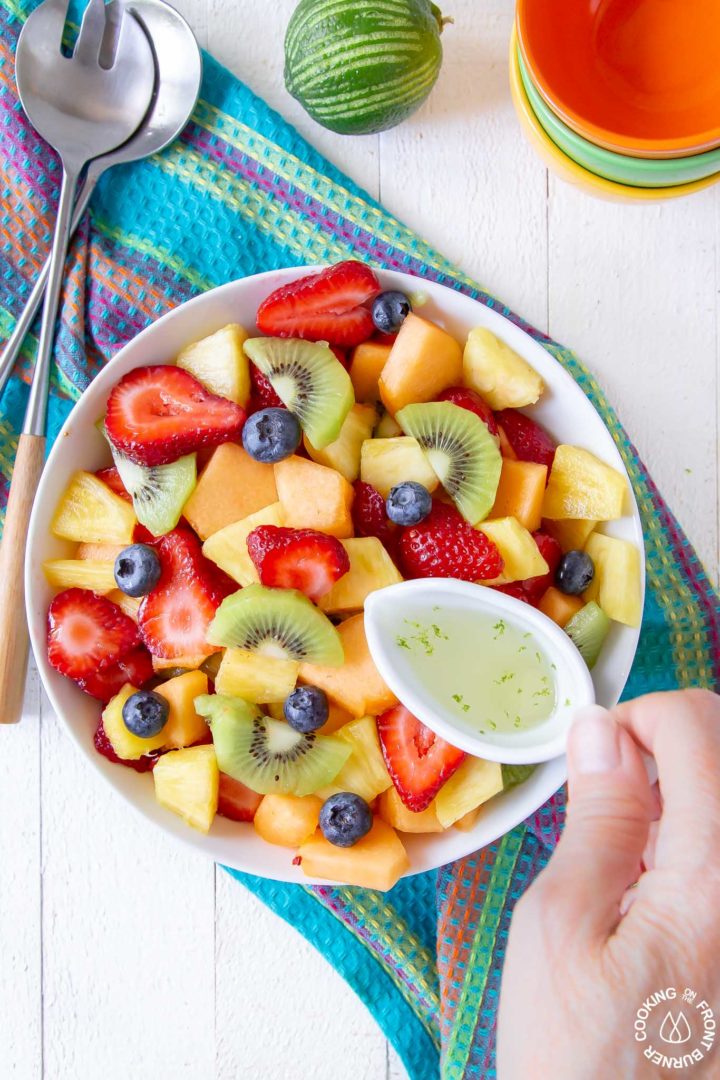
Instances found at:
x=621 y=97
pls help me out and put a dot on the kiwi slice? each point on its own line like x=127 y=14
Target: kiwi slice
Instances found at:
x=512 y=775
x=159 y=492
x=281 y=623
x=588 y=630
x=268 y=755
x=461 y=451
x=310 y=380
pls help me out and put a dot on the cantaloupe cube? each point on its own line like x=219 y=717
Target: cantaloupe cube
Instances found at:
x=227 y=548
x=187 y=782
x=558 y=606
x=256 y=677
x=616 y=586
x=366 y=364
x=504 y=379
x=365 y=772
x=231 y=486
x=184 y=727
x=287 y=820
x=387 y=462
x=520 y=493
x=126 y=745
x=583 y=486
x=129 y=604
x=472 y=784
x=393 y=810
x=520 y=553
x=344 y=453
x=423 y=361
x=90 y=512
x=99 y=552
x=314 y=497
x=468 y=821
x=357 y=685
x=337 y=718
x=219 y=363
x=99 y=577
x=571 y=535
x=377 y=861
x=371 y=568
x=188 y=662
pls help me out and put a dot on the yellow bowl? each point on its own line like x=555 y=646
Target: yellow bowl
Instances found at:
x=572 y=173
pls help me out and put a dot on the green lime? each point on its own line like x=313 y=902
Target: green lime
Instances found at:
x=358 y=66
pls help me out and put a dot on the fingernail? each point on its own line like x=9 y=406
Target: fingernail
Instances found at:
x=594 y=745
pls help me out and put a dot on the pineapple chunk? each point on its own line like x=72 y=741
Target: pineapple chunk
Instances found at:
x=188 y=662
x=423 y=361
x=504 y=379
x=571 y=535
x=127 y=746
x=184 y=727
x=356 y=685
x=343 y=454
x=616 y=585
x=582 y=486
x=287 y=820
x=256 y=677
x=314 y=497
x=377 y=861
x=90 y=512
x=387 y=462
x=370 y=568
x=520 y=553
x=129 y=604
x=387 y=427
x=231 y=486
x=473 y=783
x=220 y=364
x=187 y=782
x=393 y=810
x=365 y=771
x=366 y=365
x=227 y=548
x=99 y=577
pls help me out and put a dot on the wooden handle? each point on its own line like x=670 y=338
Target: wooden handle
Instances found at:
x=14 y=640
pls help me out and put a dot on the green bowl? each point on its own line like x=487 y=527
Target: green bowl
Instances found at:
x=637 y=172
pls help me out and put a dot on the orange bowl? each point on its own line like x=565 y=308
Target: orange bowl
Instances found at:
x=641 y=77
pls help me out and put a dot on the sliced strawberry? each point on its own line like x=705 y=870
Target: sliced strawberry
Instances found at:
x=87 y=632
x=235 y=800
x=105 y=683
x=531 y=589
x=104 y=747
x=341 y=355
x=529 y=441
x=263 y=396
x=418 y=760
x=370 y=517
x=327 y=306
x=445 y=545
x=470 y=400
x=174 y=618
x=156 y=414
x=297 y=559
x=111 y=477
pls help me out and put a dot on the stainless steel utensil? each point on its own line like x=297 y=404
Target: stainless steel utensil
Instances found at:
x=84 y=106
x=179 y=70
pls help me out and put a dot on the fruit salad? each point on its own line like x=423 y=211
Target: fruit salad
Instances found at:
x=256 y=492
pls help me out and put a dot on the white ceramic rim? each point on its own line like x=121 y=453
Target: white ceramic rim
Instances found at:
x=564 y=409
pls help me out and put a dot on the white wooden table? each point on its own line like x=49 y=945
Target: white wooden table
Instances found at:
x=121 y=954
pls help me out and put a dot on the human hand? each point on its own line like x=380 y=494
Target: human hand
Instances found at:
x=586 y=950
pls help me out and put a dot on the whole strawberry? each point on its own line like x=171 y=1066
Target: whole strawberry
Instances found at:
x=529 y=441
x=370 y=518
x=445 y=545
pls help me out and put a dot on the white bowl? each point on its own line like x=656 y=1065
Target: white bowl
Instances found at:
x=564 y=410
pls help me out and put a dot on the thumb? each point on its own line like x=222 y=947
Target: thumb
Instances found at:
x=609 y=813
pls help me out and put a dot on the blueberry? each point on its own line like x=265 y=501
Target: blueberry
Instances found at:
x=389 y=311
x=408 y=503
x=345 y=818
x=145 y=713
x=271 y=435
x=306 y=709
x=575 y=572
x=137 y=570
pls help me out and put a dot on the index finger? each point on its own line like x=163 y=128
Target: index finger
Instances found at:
x=681 y=729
